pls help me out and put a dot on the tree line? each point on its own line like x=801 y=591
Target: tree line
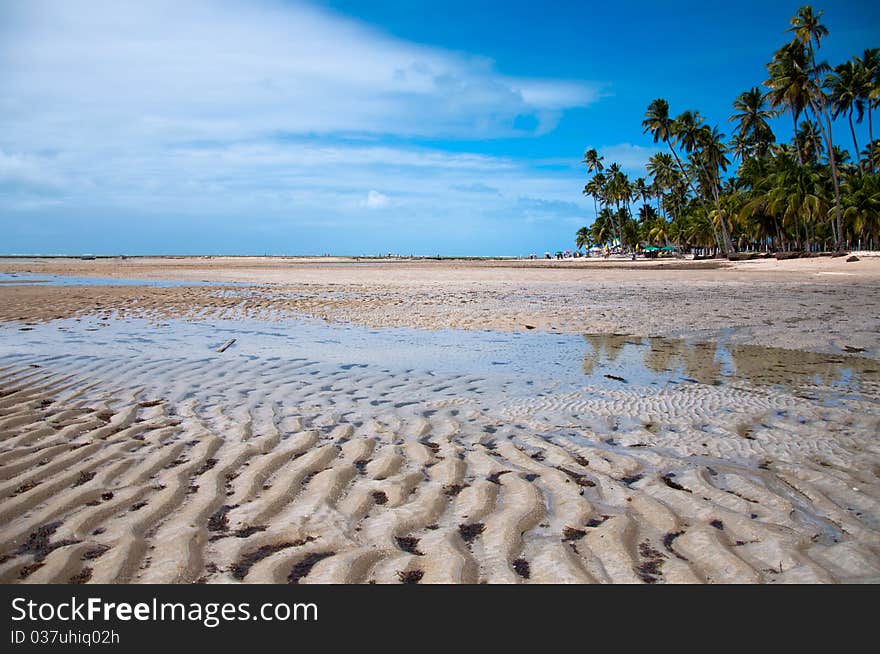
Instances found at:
x=808 y=194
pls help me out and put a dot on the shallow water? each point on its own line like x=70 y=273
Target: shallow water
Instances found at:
x=353 y=437
x=526 y=364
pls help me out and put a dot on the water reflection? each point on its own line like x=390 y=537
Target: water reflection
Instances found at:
x=657 y=360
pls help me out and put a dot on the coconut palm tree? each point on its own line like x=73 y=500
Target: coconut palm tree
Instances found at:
x=809 y=32
x=870 y=63
x=641 y=190
x=753 y=129
x=789 y=84
x=848 y=86
x=806 y=192
x=706 y=150
x=602 y=229
x=669 y=131
x=593 y=161
x=594 y=188
x=861 y=201
x=583 y=237
x=809 y=142
x=795 y=195
x=872 y=154
x=620 y=191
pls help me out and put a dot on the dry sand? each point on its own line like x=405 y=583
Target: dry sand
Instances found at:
x=183 y=465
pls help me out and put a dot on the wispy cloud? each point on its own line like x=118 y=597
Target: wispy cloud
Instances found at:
x=475 y=188
x=376 y=200
x=632 y=158
x=256 y=111
x=243 y=69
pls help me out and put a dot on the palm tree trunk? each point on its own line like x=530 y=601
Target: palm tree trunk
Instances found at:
x=855 y=142
x=691 y=185
x=870 y=141
x=829 y=142
x=797 y=144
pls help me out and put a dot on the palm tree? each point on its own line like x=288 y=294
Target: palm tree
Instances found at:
x=861 y=199
x=753 y=130
x=870 y=63
x=795 y=195
x=658 y=122
x=664 y=129
x=665 y=176
x=642 y=190
x=714 y=162
x=809 y=142
x=593 y=161
x=872 y=154
x=808 y=32
x=848 y=87
x=706 y=149
x=620 y=191
x=582 y=237
x=594 y=189
x=788 y=83
x=602 y=228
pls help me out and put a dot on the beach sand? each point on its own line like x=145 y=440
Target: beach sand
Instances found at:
x=718 y=423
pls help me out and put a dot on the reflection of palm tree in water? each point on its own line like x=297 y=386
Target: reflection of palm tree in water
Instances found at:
x=697 y=361
x=665 y=354
x=701 y=363
x=605 y=348
x=793 y=368
x=751 y=363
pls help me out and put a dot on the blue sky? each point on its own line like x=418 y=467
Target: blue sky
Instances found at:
x=282 y=127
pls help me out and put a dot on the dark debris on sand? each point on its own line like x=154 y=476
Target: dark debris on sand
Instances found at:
x=95 y=552
x=410 y=576
x=649 y=569
x=668 y=541
x=572 y=534
x=81 y=577
x=595 y=522
x=669 y=481
x=495 y=477
x=521 y=566
x=409 y=544
x=470 y=531
x=219 y=520
x=580 y=479
x=241 y=567
x=84 y=478
x=304 y=567
x=451 y=490
x=39 y=543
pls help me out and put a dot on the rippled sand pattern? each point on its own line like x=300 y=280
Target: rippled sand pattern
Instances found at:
x=228 y=470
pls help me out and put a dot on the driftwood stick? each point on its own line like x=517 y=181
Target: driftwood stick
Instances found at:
x=223 y=347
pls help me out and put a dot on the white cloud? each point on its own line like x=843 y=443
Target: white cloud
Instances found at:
x=376 y=200
x=258 y=110
x=26 y=172
x=132 y=71
x=632 y=158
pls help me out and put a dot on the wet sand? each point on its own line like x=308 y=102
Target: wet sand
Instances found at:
x=133 y=451
x=822 y=304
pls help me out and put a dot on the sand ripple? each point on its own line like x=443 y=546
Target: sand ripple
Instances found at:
x=250 y=470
